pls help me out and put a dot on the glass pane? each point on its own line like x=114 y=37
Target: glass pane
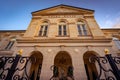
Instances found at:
x=41 y=28
x=84 y=29
x=45 y=31
x=10 y=44
x=46 y=27
x=60 y=30
x=79 y=29
x=40 y=32
x=65 y=32
x=64 y=27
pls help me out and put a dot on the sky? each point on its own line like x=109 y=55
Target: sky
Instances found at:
x=16 y=14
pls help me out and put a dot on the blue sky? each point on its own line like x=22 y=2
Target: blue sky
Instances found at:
x=16 y=14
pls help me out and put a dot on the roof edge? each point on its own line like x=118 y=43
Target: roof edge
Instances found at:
x=12 y=30
x=63 y=5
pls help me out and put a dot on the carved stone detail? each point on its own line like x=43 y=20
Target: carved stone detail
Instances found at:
x=64 y=16
x=63 y=10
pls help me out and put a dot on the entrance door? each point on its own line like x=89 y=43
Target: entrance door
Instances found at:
x=36 y=64
x=90 y=68
x=63 y=65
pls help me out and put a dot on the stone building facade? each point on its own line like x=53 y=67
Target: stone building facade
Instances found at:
x=64 y=36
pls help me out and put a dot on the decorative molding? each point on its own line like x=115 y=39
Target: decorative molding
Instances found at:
x=105 y=40
x=62 y=16
x=49 y=50
x=76 y=50
x=63 y=10
x=89 y=47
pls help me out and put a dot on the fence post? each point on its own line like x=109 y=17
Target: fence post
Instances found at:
x=114 y=67
x=12 y=70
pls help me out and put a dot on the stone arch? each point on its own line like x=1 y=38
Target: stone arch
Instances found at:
x=63 y=64
x=80 y=19
x=91 y=69
x=36 y=59
x=45 y=20
x=65 y=20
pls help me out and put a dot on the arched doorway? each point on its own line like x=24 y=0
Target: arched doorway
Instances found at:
x=36 y=64
x=63 y=66
x=90 y=68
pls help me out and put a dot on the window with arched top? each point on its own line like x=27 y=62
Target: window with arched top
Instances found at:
x=43 y=29
x=62 y=29
x=82 y=28
x=10 y=43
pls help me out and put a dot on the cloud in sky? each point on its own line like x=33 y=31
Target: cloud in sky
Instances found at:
x=117 y=23
x=112 y=22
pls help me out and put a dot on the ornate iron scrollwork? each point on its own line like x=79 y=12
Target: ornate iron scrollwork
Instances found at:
x=70 y=71
x=5 y=66
x=62 y=77
x=102 y=62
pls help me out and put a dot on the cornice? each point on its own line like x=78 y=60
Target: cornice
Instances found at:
x=107 y=40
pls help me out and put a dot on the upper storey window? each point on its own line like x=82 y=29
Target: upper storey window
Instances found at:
x=43 y=29
x=82 y=28
x=62 y=29
x=10 y=44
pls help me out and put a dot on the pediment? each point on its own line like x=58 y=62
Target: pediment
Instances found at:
x=62 y=9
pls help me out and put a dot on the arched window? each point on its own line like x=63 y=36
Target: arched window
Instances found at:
x=82 y=28
x=43 y=29
x=62 y=29
x=10 y=43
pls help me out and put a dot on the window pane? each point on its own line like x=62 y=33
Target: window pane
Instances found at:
x=60 y=30
x=79 y=29
x=7 y=45
x=84 y=29
x=45 y=31
x=64 y=29
x=41 y=30
x=46 y=27
x=10 y=44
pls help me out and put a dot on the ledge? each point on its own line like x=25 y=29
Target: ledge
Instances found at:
x=29 y=40
x=6 y=52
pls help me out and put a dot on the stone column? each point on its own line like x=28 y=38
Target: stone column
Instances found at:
x=79 y=69
x=46 y=72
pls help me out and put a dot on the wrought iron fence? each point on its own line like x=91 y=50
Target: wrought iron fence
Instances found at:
x=108 y=67
x=17 y=68
x=56 y=73
x=14 y=68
